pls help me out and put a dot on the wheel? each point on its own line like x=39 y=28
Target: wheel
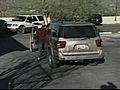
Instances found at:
x=21 y=30
x=52 y=62
x=33 y=45
x=102 y=60
x=85 y=63
x=94 y=63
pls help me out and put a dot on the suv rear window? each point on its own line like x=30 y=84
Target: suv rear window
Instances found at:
x=77 y=31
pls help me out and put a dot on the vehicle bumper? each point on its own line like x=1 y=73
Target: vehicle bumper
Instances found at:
x=81 y=56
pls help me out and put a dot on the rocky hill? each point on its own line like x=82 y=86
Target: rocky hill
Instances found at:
x=81 y=7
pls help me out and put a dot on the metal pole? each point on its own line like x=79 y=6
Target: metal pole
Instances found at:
x=116 y=6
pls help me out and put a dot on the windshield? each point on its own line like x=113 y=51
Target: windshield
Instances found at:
x=77 y=32
x=19 y=18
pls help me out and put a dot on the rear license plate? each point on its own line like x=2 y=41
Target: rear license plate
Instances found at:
x=79 y=47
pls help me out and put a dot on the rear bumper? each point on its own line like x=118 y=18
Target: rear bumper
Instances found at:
x=81 y=56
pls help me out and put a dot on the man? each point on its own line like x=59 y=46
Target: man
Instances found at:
x=42 y=38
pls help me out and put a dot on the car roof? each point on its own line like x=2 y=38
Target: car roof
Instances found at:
x=73 y=23
x=2 y=21
x=30 y=15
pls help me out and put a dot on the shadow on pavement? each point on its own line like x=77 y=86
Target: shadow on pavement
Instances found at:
x=26 y=75
x=33 y=75
x=9 y=44
x=108 y=86
x=85 y=63
x=4 y=83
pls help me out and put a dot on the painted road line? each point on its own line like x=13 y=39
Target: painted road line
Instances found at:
x=118 y=32
x=105 y=33
x=113 y=35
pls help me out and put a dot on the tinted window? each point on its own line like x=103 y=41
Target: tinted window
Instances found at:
x=19 y=18
x=40 y=18
x=2 y=23
x=29 y=18
x=34 y=18
x=54 y=28
x=77 y=31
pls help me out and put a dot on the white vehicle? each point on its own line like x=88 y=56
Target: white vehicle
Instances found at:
x=23 y=23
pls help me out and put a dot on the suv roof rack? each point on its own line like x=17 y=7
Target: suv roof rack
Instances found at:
x=70 y=20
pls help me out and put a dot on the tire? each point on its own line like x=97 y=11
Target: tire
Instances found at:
x=94 y=63
x=21 y=30
x=52 y=62
x=100 y=61
x=85 y=63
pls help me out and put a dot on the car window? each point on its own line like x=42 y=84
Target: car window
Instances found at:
x=19 y=18
x=54 y=33
x=2 y=23
x=34 y=18
x=29 y=19
x=54 y=29
x=77 y=32
x=40 y=18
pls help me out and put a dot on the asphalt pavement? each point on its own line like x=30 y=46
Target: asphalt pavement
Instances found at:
x=20 y=70
x=113 y=28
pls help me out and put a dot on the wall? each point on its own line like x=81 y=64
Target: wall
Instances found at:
x=7 y=18
x=106 y=19
x=111 y=20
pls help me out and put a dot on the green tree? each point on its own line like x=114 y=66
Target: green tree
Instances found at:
x=56 y=8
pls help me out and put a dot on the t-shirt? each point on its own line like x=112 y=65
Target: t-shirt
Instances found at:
x=41 y=34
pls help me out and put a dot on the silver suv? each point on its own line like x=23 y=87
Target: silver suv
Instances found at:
x=74 y=41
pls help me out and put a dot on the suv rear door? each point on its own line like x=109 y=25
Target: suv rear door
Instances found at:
x=79 y=40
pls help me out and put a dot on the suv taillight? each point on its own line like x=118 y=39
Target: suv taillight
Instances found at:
x=61 y=44
x=99 y=43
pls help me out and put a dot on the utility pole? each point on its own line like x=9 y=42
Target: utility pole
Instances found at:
x=116 y=7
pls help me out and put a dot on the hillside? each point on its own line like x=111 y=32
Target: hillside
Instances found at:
x=64 y=7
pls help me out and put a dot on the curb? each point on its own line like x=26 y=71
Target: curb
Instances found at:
x=101 y=33
x=119 y=32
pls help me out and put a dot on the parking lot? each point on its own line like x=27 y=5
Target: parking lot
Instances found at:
x=20 y=70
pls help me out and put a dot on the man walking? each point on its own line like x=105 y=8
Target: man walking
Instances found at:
x=42 y=38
